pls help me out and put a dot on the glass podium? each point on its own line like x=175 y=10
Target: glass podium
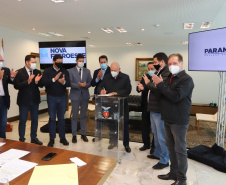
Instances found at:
x=109 y=126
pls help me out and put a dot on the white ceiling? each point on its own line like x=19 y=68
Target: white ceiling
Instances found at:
x=74 y=19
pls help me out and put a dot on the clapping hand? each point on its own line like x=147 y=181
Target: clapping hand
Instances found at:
x=62 y=80
x=57 y=76
x=99 y=75
x=146 y=80
x=1 y=74
x=30 y=78
x=140 y=86
x=82 y=84
x=13 y=73
x=157 y=79
x=37 y=78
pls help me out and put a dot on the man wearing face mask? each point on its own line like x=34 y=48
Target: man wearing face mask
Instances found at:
x=99 y=74
x=176 y=94
x=157 y=124
x=118 y=83
x=146 y=124
x=28 y=81
x=56 y=80
x=79 y=95
x=6 y=77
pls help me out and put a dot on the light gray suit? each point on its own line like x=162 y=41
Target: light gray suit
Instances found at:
x=79 y=98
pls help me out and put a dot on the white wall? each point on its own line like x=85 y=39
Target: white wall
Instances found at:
x=16 y=46
x=206 y=83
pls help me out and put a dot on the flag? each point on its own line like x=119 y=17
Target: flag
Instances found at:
x=2 y=52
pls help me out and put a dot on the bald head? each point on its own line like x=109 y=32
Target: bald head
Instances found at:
x=1 y=59
x=115 y=66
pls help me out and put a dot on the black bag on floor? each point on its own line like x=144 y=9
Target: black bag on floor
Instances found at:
x=45 y=128
x=214 y=156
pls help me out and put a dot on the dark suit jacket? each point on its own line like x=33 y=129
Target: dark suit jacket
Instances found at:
x=27 y=92
x=6 y=79
x=93 y=82
x=176 y=98
x=144 y=93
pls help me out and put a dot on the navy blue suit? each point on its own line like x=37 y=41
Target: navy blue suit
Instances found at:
x=96 y=84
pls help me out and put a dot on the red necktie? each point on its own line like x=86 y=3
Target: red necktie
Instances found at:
x=171 y=79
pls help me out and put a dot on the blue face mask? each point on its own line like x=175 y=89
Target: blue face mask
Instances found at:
x=104 y=66
x=151 y=73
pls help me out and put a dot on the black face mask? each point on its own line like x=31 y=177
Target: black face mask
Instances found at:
x=157 y=67
x=59 y=65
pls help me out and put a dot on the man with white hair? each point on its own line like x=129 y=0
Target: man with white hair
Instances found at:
x=118 y=83
x=5 y=77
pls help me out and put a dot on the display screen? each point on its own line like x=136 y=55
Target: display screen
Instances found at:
x=207 y=50
x=67 y=49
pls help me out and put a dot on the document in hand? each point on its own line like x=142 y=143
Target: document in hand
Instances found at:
x=55 y=175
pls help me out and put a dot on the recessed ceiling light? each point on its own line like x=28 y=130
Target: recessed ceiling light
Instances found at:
x=56 y=34
x=129 y=44
x=89 y=32
x=139 y=44
x=58 y=1
x=206 y=24
x=188 y=26
x=107 y=30
x=120 y=29
x=185 y=42
x=142 y=29
x=19 y=0
x=44 y=34
x=33 y=29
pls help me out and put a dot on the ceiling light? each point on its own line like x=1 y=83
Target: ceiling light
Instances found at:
x=139 y=44
x=56 y=34
x=58 y=1
x=121 y=30
x=142 y=29
x=156 y=25
x=185 y=42
x=19 y=0
x=44 y=34
x=33 y=29
x=92 y=46
x=129 y=44
x=107 y=30
x=89 y=32
x=206 y=24
x=188 y=26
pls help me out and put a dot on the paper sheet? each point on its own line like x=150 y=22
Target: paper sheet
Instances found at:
x=55 y=175
x=1 y=144
x=78 y=161
x=15 y=168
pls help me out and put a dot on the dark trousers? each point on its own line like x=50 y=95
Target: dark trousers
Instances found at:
x=3 y=117
x=56 y=107
x=175 y=136
x=146 y=127
x=33 y=108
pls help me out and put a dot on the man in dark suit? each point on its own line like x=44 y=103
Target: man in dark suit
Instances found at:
x=146 y=124
x=118 y=83
x=80 y=78
x=56 y=80
x=27 y=81
x=175 y=108
x=5 y=79
x=99 y=74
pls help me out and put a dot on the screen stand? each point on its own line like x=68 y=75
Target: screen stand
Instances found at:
x=221 y=116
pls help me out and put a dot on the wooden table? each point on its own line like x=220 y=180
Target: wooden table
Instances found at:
x=96 y=171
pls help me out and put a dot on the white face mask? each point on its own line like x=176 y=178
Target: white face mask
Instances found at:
x=80 y=64
x=174 y=69
x=114 y=74
x=1 y=65
x=33 y=66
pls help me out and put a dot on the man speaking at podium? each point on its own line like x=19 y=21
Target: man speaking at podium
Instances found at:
x=118 y=83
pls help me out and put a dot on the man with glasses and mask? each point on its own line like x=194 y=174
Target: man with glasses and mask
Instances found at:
x=6 y=77
x=79 y=95
x=27 y=81
x=56 y=80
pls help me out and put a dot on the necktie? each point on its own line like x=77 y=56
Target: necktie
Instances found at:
x=80 y=71
x=171 y=79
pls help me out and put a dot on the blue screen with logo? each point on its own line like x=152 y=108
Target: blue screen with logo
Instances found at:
x=207 y=50
x=67 y=49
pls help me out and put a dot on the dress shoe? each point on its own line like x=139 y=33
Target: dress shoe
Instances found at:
x=74 y=139
x=96 y=139
x=22 y=140
x=167 y=176
x=128 y=149
x=151 y=156
x=144 y=147
x=160 y=166
x=179 y=183
x=64 y=142
x=152 y=150
x=84 y=138
x=36 y=141
x=51 y=143
x=111 y=146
